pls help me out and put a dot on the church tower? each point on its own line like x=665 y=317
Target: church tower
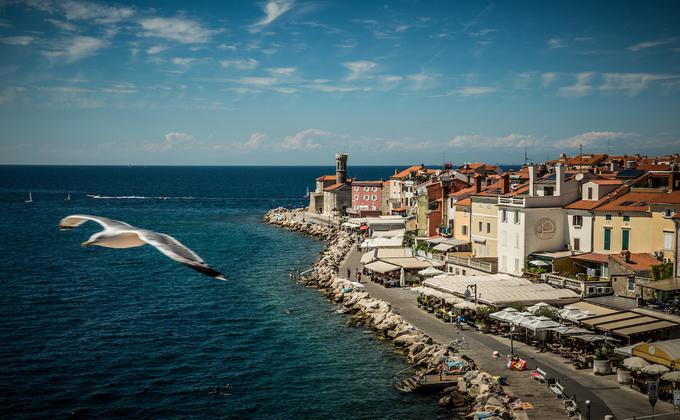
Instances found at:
x=341 y=168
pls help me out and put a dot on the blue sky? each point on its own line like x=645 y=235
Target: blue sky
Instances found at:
x=293 y=82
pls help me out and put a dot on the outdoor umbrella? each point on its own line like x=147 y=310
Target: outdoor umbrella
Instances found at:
x=635 y=362
x=430 y=271
x=673 y=376
x=655 y=369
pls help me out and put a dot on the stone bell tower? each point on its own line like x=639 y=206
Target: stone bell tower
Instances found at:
x=341 y=168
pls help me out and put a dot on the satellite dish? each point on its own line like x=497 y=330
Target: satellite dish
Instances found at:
x=578 y=177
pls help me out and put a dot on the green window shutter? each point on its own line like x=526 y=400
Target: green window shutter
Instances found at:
x=607 y=239
x=625 y=238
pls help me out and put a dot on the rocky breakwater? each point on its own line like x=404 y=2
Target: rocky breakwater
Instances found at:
x=475 y=389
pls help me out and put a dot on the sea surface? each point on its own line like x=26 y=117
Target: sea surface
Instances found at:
x=97 y=332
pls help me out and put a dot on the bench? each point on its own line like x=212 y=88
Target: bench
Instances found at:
x=539 y=374
x=557 y=389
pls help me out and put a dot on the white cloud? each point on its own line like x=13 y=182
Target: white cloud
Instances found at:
x=83 y=10
x=62 y=25
x=240 y=63
x=22 y=40
x=75 y=48
x=582 y=86
x=653 y=44
x=633 y=83
x=156 y=49
x=556 y=42
x=472 y=91
x=587 y=139
x=548 y=79
x=170 y=141
x=254 y=142
x=258 y=81
x=228 y=47
x=272 y=10
x=285 y=90
x=358 y=69
x=477 y=141
x=182 y=61
x=305 y=140
x=389 y=82
x=282 y=71
x=182 y=30
x=421 y=81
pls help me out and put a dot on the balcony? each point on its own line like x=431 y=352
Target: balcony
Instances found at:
x=476 y=263
x=511 y=201
x=584 y=287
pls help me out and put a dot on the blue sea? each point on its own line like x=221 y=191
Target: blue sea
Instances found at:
x=97 y=332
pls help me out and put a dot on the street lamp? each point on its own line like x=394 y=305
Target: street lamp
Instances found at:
x=588 y=409
x=512 y=343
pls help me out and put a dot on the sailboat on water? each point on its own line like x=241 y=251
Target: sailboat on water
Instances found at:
x=68 y=198
x=30 y=198
x=307 y=194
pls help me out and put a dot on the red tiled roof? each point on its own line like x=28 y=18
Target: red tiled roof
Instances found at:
x=406 y=172
x=637 y=261
x=586 y=159
x=326 y=178
x=477 y=165
x=635 y=201
x=465 y=202
x=367 y=183
x=592 y=257
x=334 y=187
x=606 y=181
x=402 y=208
x=658 y=167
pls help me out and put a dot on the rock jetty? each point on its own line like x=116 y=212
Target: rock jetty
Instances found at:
x=478 y=390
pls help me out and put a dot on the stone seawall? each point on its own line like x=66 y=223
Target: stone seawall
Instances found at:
x=477 y=390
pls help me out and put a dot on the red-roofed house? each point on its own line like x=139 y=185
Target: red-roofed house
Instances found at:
x=627 y=270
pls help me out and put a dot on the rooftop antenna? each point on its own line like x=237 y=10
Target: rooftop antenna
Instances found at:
x=580 y=155
x=526 y=158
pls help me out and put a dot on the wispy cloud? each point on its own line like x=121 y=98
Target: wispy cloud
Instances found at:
x=182 y=61
x=179 y=29
x=258 y=81
x=477 y=141
x=172 y=140
x=472 y=91
x=22 y=40
x=556 y=42
x=306 y=139
x=582 y=86
x=254 y=142
x=62 y=25
x=632 y=83
x=272 y=11
x=358 y=69
x=75 y=48
x=592 y=137
x=83 y=10
x=156 y=49
x=653 y=44
x=548 y=78
x=240 y=63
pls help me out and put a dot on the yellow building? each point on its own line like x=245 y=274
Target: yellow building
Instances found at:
x=461 y=228
x=637 y=222
x=484 y=225
x=421 y=215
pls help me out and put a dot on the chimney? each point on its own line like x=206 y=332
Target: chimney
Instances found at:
x=630 y=164
x=559 y=179
x=532 y=179
x=505 y=183
x=478 y=183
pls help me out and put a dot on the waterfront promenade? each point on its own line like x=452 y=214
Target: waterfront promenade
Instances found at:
x=605 y=394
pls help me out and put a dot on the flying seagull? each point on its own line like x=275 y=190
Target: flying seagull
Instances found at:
x=118 y=234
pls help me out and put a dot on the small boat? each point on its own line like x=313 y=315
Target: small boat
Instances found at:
x=307 y=194
x=68 y=198
x=30 y=198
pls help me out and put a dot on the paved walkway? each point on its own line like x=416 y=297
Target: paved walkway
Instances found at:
x=605 y=394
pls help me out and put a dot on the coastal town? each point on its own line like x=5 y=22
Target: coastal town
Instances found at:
x=566 y=271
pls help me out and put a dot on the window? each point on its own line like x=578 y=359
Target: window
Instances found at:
x=667 y=240
x=516 y=217
x=631 y=284
x=626 y=218
x=590 y=193
x=356 y=198
x=488 y=228
x=577 y=244
x=480 y=226
x=548 y=191
x=366 y=197
x=625 y=239
x=374 y=197
x=516 y=265
x=374 y=189
x=504 y=215
x=577 y=220
x=356 y=188
x=607 y=239
x=516 y=240
x=463 y=229
x=608 y=217
x=504 y=263
x=366 y=189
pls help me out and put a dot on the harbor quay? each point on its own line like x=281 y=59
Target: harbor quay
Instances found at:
x=558 y=278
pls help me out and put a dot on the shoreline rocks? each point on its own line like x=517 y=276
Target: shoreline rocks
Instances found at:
x=476 y=389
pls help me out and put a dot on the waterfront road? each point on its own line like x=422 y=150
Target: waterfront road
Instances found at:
x=605 y=394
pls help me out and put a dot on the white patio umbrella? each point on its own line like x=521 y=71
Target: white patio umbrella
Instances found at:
x=430 y=271
x=673 y=376
x=503 y=315
x=635 y=362
x=655 y=369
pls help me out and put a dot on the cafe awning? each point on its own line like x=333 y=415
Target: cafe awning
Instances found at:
x=668 y=285
x=411 y=263
x=430 y=271
x=442 y=247
x=381 y=267
x=666 y=352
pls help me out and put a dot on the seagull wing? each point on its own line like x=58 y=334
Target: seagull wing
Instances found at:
x=174 y=249
x=75 y=220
